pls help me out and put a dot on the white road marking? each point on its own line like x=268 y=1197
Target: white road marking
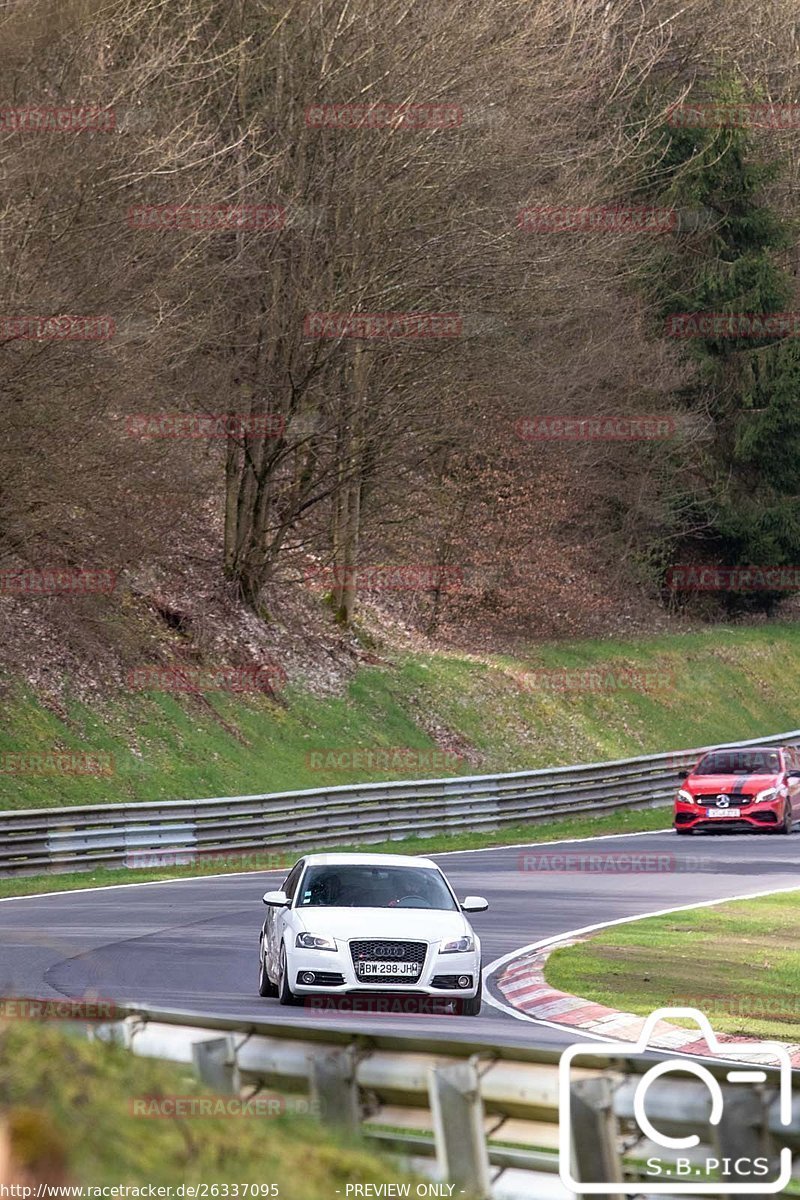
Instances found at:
x=110 y=887
x=587 y=929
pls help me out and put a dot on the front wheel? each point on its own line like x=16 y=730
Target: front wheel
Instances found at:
x=472 y=1007
x=683 y=832
x=285 y=993
x=786 y=824
x=265 y=985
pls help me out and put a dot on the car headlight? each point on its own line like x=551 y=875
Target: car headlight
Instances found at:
x=767 y=794
x=458 y=946
x=686 y=797
x=310 y=941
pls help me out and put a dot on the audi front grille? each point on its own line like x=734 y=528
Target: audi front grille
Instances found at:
x=387 y=950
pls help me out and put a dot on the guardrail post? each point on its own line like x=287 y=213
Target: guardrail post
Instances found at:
x=215 y=1063
x=334 y=1089
x=595 y=1155
x=457 y=1109
x=741 y=1136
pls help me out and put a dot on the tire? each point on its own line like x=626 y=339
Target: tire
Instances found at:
x=265 y=985
x=786 y=824
x=684 y=832
x=472 y=1007
x=285 y=993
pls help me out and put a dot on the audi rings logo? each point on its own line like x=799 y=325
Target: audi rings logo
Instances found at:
x=723 y=801
x=387 y=950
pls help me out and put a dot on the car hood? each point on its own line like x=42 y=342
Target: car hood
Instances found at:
x=747 y=785
x=423 y=924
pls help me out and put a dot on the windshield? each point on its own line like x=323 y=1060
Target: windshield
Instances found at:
x=374 y=887
x=740 y=762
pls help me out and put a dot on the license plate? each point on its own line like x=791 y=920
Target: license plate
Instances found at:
x=722 y=812
x=387 y=968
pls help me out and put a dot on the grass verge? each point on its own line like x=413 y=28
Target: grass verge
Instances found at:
x=736 y=962
x=557 y=704
x=637 y=820
x=69 y=1105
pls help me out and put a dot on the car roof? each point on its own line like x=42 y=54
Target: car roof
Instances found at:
x=746 y=749
x=369 y=860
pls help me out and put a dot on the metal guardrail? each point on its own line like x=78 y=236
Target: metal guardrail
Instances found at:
x=479 y=1111
x=182 y=831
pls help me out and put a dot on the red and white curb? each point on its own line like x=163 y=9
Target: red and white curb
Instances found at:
x=524 y=987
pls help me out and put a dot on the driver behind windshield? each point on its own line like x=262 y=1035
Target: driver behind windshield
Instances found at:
x=740 y=763
x=379 y=887
x=324 y=891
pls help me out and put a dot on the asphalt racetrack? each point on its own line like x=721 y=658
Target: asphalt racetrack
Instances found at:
x=192 y=945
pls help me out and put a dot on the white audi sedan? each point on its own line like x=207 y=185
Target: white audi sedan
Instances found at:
x=348 y=924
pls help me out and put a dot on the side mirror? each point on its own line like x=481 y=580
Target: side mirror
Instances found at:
x=276 y=899
x=684 y=774
x=795 y=774
x=472 y=904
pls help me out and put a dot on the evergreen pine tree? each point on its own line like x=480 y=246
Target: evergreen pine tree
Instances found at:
x=725 y=258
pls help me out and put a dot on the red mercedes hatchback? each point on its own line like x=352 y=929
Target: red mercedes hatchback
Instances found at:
x=744 y=788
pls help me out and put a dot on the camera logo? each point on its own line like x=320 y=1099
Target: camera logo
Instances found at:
x=678 y=1174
